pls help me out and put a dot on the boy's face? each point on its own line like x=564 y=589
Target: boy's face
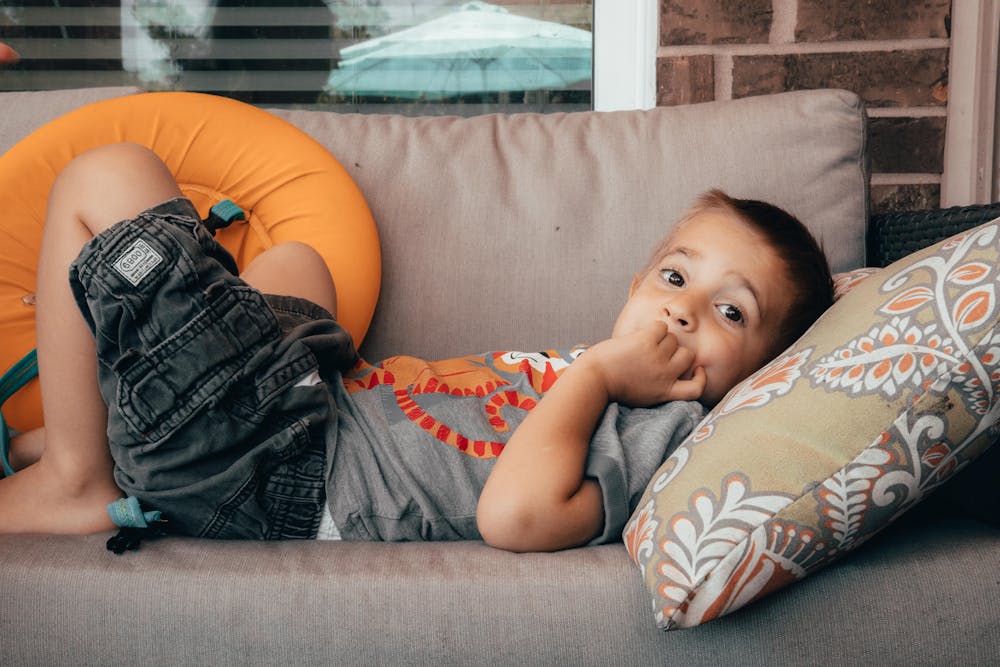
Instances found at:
x=722 y=291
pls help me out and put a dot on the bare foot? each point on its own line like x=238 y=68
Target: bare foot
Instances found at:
x=37 y=500
x=26 y=448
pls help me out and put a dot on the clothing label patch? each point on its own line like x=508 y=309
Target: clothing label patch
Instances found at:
x=135 y=263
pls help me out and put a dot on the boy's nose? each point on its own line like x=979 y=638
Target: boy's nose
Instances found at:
x=678 y=313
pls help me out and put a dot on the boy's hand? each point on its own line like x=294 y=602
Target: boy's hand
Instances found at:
x=537 y=497
x=645 y=367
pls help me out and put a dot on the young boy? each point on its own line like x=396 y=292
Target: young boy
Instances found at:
x=244 y=415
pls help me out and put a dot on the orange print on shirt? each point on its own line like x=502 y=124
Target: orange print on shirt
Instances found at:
x=488 y=377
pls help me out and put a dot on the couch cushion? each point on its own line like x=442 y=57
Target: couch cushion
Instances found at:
x=884 y=399
x=524 y=231
x=183 y=601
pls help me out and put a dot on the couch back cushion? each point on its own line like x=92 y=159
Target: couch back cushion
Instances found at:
x=524 y=231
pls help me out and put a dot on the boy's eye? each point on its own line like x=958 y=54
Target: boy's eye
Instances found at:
x=731 y=312
x=672 y=277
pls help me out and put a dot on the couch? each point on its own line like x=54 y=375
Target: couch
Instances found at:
x=520 y=232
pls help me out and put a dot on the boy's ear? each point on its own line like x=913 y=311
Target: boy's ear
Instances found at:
x=635 y=283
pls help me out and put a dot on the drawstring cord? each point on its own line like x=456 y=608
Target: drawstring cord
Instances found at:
x=135 y=525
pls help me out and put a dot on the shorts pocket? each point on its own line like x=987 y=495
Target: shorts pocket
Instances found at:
x=282 y=491
x=196 y=366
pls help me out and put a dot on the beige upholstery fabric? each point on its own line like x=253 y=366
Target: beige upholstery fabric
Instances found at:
x=912 y=598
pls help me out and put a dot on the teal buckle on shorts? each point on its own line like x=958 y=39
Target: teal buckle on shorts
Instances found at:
x=227 y=210
x=222 y=215
x=127 y=513
x=134 y=523
x=19 y=375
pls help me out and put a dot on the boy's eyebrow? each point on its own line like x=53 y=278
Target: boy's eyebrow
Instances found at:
x=694 y=253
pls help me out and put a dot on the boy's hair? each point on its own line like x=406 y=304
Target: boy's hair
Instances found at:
x=807 y=270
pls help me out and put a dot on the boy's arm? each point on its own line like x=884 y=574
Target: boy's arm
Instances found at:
x=537 y=498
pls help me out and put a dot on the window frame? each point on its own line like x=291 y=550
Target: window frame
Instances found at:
x=972 y=142
x=625 y=44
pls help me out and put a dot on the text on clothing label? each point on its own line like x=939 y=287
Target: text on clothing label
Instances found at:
x=135 y=263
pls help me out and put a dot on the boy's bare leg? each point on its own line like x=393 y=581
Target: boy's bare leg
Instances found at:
x=269 y=273
x=311 y=279
x=68 y=489
x=26 y=448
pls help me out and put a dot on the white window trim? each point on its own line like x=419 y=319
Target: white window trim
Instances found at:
x=971 y=152
x=625 y=39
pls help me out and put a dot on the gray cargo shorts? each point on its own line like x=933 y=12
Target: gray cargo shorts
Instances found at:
x=216 y=413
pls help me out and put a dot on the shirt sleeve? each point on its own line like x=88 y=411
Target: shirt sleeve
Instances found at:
x=627 y=448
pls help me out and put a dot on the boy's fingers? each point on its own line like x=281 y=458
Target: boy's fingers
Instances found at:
x=678 y=358
x=689 y=390
x=659 y=330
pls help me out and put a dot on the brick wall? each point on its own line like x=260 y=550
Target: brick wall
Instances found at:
x=893 y=53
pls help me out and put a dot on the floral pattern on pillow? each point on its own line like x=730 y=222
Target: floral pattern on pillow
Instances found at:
x=884 y=399
x=773 y=380
x=844 y=282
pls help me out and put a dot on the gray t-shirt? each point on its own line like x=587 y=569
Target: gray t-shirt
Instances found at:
x=415 y=441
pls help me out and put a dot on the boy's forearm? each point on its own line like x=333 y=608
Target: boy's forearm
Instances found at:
x=552 y=443
x=537 y=488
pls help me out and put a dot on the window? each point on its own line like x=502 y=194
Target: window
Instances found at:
x=396 y=56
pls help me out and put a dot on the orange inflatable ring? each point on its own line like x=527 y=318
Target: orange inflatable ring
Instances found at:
x=289 y=185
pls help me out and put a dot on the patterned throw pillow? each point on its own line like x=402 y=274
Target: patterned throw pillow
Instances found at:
x=887 y=396
x=844 y=283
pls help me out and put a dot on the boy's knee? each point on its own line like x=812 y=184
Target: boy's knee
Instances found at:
x=292 y=250
x=310 y=278
x=115 y=167
x=109 y=183
x=104 y=160
x=303 y=257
